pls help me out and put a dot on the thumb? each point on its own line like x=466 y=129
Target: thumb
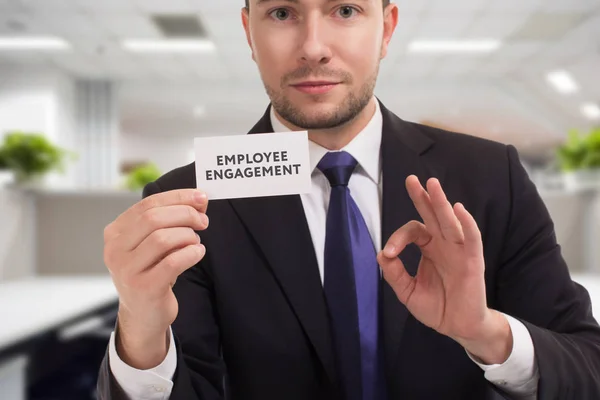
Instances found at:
x=396 y=275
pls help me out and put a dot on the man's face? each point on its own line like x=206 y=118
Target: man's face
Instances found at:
x=319 y=59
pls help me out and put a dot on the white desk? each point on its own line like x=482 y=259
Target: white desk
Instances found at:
x=34 y=305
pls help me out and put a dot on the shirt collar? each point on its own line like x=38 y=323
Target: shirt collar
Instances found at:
x=365 y=147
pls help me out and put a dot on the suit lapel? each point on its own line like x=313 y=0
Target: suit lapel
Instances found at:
x=402 y=147
x=279 y=227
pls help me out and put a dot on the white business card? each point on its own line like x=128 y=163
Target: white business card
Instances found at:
x=269 y=164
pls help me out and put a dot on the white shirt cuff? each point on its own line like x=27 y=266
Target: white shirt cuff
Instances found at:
x=152 y=384
x=518 y=375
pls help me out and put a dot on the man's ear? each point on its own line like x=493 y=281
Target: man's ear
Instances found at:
x=246 y=24
x=390 y=20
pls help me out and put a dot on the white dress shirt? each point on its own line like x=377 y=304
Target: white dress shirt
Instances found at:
x=518 y=375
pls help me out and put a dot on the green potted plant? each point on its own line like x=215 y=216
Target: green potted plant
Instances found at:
x=31 y=155
x=141 y=175
x=6 y=175
x=579 y=159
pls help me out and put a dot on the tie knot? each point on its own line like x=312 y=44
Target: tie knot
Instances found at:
x=337 y=167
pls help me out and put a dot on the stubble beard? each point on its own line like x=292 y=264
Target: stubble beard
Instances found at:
x=350 y=107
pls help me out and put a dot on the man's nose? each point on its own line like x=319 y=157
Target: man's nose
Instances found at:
x=315 y=48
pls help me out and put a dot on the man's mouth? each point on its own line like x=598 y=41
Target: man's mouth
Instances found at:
x=315 y=87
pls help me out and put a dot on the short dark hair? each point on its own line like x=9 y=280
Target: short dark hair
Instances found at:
x=385 y=3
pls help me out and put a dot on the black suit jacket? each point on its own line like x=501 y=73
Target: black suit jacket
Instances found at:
x=253 y=322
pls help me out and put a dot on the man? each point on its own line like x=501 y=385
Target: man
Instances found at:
x=291 y=297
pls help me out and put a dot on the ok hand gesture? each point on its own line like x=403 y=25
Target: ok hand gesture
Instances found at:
x=448 y=291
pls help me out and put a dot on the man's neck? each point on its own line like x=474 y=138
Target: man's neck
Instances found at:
x=338 y=137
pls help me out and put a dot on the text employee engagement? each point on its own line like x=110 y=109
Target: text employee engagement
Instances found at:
x=246 y=166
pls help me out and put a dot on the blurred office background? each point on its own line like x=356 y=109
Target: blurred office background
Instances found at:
x=123 y=87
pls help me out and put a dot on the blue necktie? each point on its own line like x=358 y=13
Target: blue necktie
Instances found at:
x=351 y=286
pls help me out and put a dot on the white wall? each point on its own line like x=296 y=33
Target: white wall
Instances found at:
x=17 y=234
x=167 y=152
x=576 y=217
x=27 y=112
x=43 y=102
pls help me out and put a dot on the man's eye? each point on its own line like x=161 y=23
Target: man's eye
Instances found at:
x=281 y=14
x=346 y=12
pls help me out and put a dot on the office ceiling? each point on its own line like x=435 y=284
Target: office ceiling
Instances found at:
x=503 y=95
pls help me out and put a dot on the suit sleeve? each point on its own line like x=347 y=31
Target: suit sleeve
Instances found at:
x=534 y=286
x=200 y=368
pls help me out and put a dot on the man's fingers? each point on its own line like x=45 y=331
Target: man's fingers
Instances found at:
x=395 y=274
x=472 y=234
x=422 y=202
x=189 y=197
x=160 y=244
x=393 y=269
x=165 y=273
x=412 y=232
x=155 y=219
x=450 y=227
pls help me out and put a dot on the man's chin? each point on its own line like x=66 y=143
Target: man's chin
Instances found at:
x=305 y=113
x=315 y=103
x=315 y=121
x=316 y=107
